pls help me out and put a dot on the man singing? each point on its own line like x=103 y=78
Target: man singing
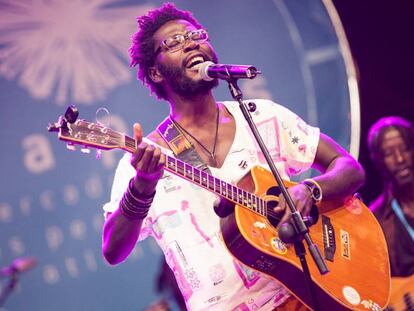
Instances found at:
x=168 y=48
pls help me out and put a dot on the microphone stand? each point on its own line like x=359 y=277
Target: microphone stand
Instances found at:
x=11 y=285
x=298 y=230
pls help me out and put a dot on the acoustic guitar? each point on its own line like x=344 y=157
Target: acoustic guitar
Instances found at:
x=402 y=294
x=349 y=236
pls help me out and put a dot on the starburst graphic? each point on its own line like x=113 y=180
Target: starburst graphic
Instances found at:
x=73 y=50
x=295 y=140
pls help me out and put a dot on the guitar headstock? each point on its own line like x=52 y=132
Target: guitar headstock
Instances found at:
x=86 y=134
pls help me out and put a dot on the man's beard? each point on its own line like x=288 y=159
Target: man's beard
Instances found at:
x=183 y=85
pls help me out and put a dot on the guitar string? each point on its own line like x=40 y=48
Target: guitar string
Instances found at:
x=268 y=210
x=234 y=193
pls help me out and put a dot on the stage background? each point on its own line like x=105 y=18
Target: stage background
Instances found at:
x=55 y=53
x=380 y=36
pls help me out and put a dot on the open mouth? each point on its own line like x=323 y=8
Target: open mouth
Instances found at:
x=195 y=62
x=403 y=172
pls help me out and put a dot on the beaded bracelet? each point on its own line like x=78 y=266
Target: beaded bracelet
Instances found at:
x=135 y=207
x=139 y=198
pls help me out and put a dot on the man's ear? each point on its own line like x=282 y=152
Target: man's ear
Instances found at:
x=155 y=74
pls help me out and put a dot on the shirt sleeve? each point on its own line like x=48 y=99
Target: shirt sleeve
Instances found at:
x=297 y=140
x=123 y=174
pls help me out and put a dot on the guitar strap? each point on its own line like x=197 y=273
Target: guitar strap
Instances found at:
x=180 y=145
x=397 y=210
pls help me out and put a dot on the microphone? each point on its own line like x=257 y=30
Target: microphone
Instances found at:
x=210 y=71
x=19 y=265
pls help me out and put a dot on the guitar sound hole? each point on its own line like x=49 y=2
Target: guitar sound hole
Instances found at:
x=272 y=217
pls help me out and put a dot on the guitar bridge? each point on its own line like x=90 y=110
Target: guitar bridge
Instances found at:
x=329 y=245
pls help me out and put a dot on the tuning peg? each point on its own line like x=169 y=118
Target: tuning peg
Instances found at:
x=53 y=127
x=85 y=150
x=71 y=147
x=98 y=154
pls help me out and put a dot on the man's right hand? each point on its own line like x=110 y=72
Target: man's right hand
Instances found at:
x=148 y=162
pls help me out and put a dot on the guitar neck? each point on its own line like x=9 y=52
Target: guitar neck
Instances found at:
x=201 y=178
x=98 y=136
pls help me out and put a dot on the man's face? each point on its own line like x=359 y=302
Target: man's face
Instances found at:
x=179 y=68
x=397 y=158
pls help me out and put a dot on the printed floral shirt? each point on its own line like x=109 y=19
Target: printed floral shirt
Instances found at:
x=185 y=226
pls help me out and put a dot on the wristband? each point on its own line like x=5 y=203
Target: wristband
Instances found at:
x=315 y=190
x=134 y=206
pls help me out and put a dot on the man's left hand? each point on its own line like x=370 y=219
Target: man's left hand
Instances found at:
x=302 y=199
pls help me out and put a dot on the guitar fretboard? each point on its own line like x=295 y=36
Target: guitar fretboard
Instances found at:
x=209 y=182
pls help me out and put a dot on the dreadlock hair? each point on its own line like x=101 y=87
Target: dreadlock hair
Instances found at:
x=376 y=135
x=142 y=50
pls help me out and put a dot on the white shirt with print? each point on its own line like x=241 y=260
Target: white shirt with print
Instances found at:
x=183 y=222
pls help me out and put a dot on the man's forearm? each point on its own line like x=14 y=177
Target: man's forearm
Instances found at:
x=342 y=178
x=120 y=235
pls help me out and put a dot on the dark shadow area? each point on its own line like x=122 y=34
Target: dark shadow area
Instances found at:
x=380 y=37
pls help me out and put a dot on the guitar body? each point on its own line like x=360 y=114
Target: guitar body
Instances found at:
x=402 y=294
x=350 y=236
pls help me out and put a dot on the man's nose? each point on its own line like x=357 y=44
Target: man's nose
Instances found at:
x=190 y=45
x=399 y=157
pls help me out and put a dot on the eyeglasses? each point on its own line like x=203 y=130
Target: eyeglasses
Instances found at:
x=177 y=42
